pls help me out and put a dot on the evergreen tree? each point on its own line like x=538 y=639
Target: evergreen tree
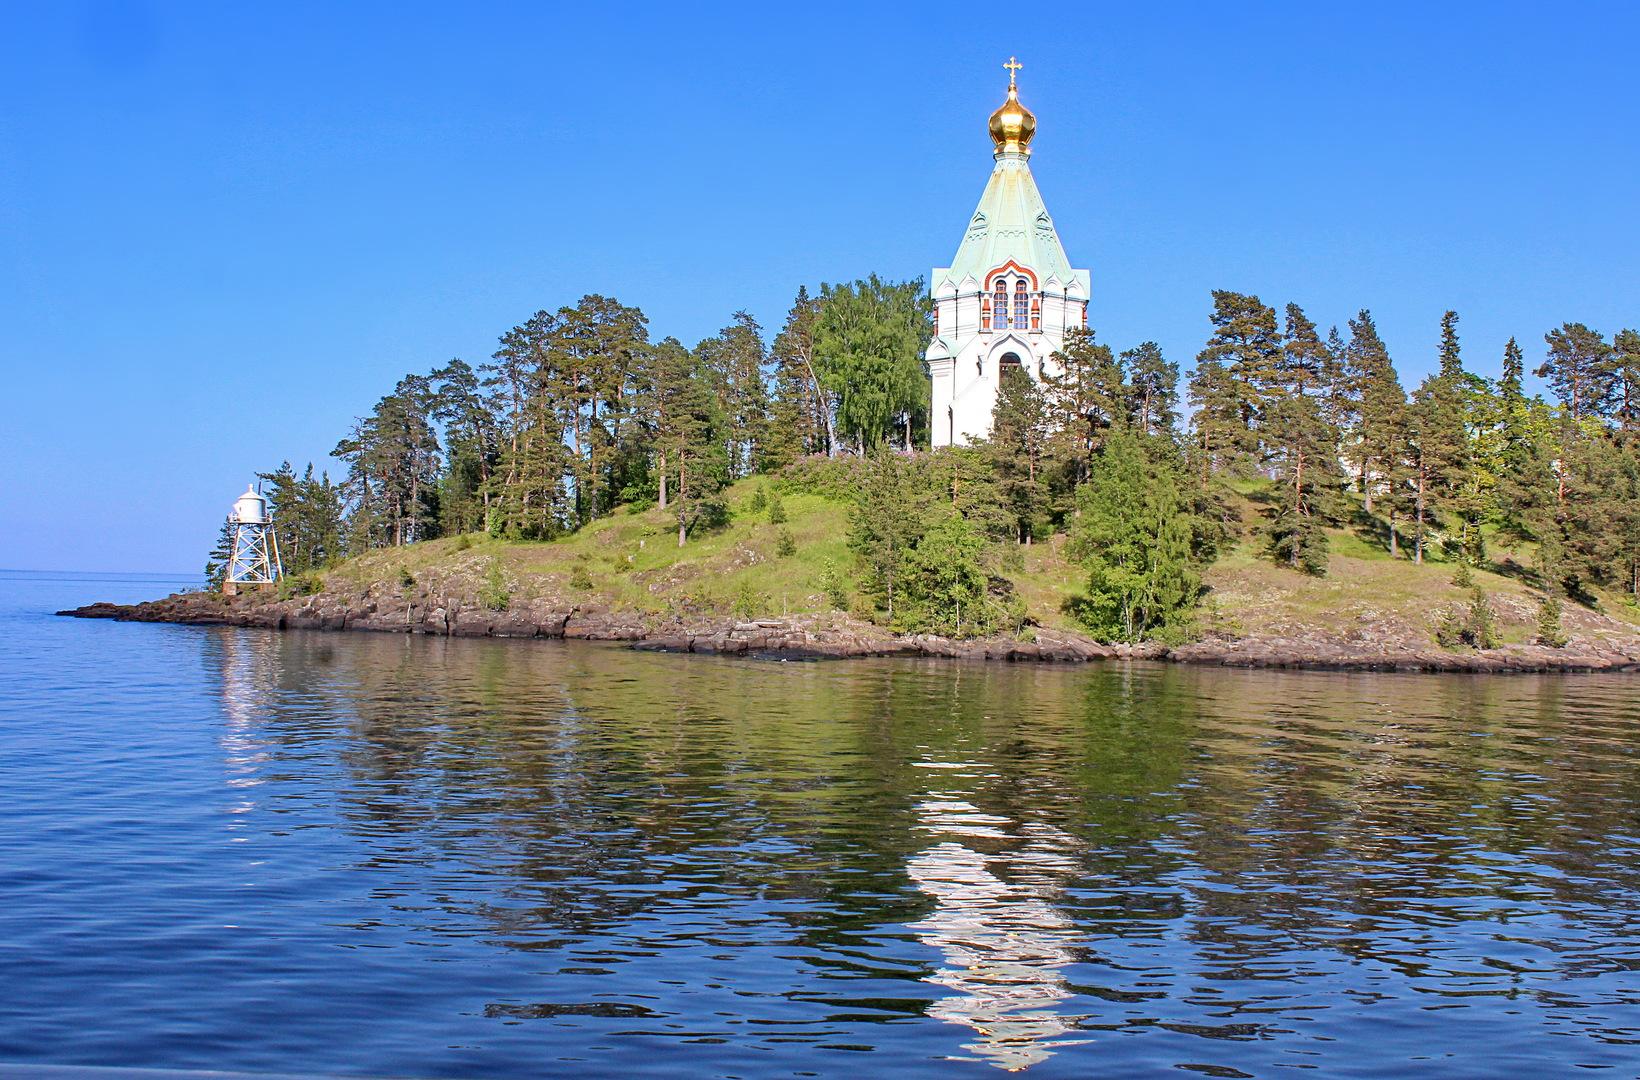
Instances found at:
x=1625 y=368
x=307 y=516
x=734 y=361
x=1134 y=537
x=1302 y=446
x=1217 y=437
x=1246 y=345
x=1086 y=396
x=472 y=448
x=1378 y=449
x=1018 y=450
x=801 y=409
x=217 y=562
x=1153 y=386
x=1438 y=444
x=592 y=360
x=393 y=468
x=1581 y=371
x=946 y=578
x=886 y=523
x=525 y=378
x=686 y=421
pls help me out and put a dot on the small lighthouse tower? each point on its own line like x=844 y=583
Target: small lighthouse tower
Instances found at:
x=255 y=558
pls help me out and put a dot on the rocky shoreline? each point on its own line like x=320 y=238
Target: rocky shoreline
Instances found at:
x=834 y=636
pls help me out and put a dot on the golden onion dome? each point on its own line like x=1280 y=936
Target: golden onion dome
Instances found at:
x=1013 y=125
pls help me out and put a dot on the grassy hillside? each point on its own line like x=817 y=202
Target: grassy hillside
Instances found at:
x=632 y=561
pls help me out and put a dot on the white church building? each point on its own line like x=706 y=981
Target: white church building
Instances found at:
x=1008 y=296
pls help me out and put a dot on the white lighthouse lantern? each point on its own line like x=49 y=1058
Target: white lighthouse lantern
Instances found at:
x=251 y=508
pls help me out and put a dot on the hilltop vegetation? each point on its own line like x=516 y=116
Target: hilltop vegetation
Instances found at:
x=1307 y=490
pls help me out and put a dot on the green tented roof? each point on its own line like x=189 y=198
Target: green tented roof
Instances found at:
x=1011 y=223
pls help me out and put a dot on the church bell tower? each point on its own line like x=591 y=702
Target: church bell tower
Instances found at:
x=1009 y=294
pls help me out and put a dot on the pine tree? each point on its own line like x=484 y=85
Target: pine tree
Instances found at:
x=217 y=562
x=1302 y=445
x=1581 y=370
x=886 y=522
x=527 y=494
x=801 y=409
x=472 y=448
x=1626 y=369
x=687 y=421
x=734 y=362
x=1153 y=388
x=393 y=468
x=593 y=359
x=1087 y=394
x=1018 y=449
x=1134 y=537
x=1246 y=345
x=1379 y=436
x=1438 y=445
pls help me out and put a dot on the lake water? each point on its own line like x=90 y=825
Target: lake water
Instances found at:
x=369 y=854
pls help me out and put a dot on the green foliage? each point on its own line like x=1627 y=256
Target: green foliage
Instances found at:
x=759 y=501
x=835 y=584
x=463 y=542
x=868 y=344
x=777 y=510
x=1299 y=540
x=407 y=580
x=1018 y=450
x=1549 y=632
x=1471 y=627
x=1463 y=578
x=309 y=583
x=947 y=582
x=493 y=591
x=216 y=563
x=747 y=602
x=1133 y=535
x=580 y=578
x=785 y=544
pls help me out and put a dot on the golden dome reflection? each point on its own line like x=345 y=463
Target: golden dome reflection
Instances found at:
x=1013 y=125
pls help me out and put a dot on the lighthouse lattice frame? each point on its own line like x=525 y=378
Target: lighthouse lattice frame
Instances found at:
x=255 y=559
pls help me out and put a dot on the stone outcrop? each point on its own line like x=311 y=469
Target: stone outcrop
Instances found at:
x=835 y=636
x=796 y=637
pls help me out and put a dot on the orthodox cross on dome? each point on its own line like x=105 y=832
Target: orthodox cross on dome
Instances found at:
x=1013 y=67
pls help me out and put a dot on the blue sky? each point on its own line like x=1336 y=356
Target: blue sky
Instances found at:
x=226 y=229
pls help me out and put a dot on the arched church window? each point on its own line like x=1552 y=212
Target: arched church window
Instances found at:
x=1022 y=306
x=1010 y=362
x=999 y=306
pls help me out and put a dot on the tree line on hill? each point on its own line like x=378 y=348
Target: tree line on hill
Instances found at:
x=578 y=412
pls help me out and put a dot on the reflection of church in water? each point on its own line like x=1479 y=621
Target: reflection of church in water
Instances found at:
x=1005 y=945
x=1008 y=296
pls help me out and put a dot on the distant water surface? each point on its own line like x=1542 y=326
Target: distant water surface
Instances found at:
x=372 y=854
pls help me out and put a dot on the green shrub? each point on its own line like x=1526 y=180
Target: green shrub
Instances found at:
x=1549 y=632
x=777 y=510
x=1463 y=579
x=835 y=585
x=463 y=542
x=305 y=584
x=747 y=602
x=785 y=544
x=1472 y=627
x=580 y=577
x=758 y=502
x=493 y=592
